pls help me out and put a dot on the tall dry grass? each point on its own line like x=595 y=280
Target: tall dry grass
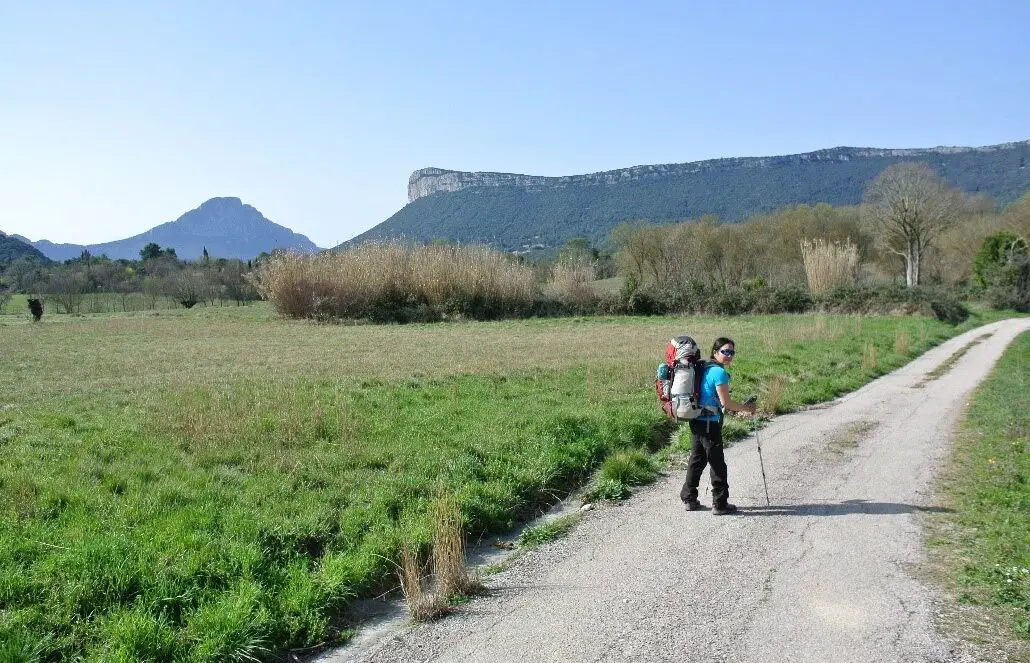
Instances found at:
x=392 y=281
x=829 y=264
x=869 y=359
x=571 y=281
x=428 y=591
x=422 y=602
x=772 y=396
x=902 y=341
x=453 y=577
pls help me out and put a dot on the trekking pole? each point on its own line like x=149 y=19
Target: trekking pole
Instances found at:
x=758 y=443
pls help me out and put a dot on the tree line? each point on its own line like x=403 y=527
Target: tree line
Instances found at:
x=912 y=228
x=157 y=278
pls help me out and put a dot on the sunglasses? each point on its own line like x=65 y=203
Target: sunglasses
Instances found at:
x=727 y=353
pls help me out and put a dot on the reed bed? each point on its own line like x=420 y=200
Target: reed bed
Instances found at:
x=393 y=282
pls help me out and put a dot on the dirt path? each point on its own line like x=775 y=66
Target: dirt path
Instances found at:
x=823 y=575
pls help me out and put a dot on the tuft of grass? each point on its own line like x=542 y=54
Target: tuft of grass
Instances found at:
x=772 y=395
x=422 y=602
x=532 y=537
x=619 y=472
x=902 y=341
x=630 y=468
x=453 y=577
x=606 y=490
x=985 y=554
x=869 y=359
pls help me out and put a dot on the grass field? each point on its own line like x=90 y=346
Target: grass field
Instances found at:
x=217 y=484
x=985 y=543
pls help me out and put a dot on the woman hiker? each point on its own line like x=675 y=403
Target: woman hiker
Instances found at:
x=706 y=432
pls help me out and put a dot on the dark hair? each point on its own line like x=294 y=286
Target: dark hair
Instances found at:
x=719 y=342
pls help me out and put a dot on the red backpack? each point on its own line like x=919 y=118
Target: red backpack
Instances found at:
x=678 y=380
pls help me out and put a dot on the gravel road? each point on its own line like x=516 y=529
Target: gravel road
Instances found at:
x=824 y=574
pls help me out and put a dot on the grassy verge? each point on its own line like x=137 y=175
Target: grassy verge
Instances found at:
x=214 y=484
x=984 y=544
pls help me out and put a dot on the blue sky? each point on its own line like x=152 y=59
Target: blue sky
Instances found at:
x=117 y=116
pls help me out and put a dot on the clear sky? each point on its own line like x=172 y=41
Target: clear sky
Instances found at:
x=118 y=116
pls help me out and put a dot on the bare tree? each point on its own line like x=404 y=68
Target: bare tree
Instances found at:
x=909 y=206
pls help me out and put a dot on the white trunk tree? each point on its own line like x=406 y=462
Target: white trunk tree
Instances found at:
x=909 y=206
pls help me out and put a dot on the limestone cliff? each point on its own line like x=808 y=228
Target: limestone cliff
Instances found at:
x=427 y=181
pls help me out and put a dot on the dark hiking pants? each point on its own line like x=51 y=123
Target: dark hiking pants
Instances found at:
x=706 y=450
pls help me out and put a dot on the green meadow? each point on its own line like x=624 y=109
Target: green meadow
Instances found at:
x=218 y=484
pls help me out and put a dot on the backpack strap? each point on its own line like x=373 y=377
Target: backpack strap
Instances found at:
x=705 y=365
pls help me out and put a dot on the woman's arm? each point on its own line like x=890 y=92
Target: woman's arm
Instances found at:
x=729 y=404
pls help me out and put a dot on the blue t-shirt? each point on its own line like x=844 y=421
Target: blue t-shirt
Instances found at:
x=713 y=377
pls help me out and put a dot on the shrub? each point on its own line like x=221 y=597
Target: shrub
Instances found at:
x=698 y=298
x=1012 y=290
x=996 y=253
x=789 y=299
x=923 y=300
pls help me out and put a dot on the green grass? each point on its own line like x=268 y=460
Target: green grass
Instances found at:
x=217 y=484
x=988 y=487
x=531 y=537
x=17 y=304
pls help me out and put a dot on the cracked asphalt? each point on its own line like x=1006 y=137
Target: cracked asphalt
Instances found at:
x=823 y=574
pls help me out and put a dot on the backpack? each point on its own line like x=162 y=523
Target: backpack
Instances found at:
x=678 y=380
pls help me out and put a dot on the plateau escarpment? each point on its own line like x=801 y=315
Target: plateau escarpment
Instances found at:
x=528 y=212
x=427 y=181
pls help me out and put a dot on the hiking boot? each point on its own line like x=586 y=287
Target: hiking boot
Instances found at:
x=694 y=505
x=724 y=509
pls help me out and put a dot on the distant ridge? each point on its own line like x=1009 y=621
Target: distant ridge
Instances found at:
x=226 y=227
x=13 y=247
x=514 y=211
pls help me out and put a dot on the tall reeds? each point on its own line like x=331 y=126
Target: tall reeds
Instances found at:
x=392 y=281
x=829 y=264
x=571 y=282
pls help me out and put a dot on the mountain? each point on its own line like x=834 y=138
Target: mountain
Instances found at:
x=224 y=226
x=12 y=248
x=520 y=211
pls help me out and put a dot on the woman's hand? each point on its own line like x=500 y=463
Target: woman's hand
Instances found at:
x=729 y=404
